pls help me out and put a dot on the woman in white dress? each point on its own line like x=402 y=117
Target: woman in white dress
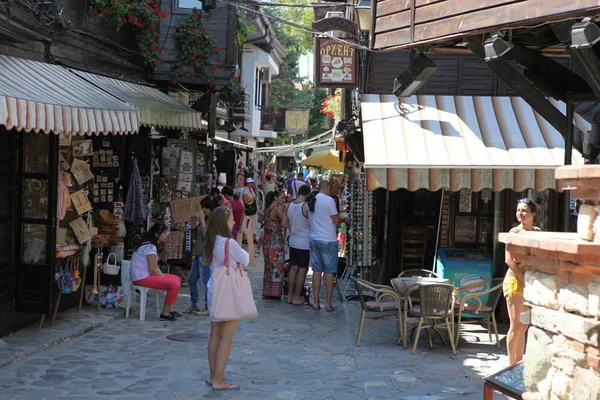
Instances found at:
x=218 y=232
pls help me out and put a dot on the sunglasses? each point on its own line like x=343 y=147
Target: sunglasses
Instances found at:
x=525 y=201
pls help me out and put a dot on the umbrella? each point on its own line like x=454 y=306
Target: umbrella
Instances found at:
x=329 y=159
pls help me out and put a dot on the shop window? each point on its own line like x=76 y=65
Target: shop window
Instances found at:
x=35 y=198
x=36 y=153
x=189 y=4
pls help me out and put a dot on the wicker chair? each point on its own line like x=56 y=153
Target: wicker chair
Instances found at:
x=418 y=272
x=472 y=303
x=436 y=303
x=389 y=309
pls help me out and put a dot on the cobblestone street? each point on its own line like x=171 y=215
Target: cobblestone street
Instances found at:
x=288 y=352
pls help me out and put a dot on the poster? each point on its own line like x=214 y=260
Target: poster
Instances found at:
x=185 y=210
x=465 y=201
x=335 y=64
x=464 y=229
x=80 y=229
x=81 y=171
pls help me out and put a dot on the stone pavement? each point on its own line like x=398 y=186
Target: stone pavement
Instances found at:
x=288 y=352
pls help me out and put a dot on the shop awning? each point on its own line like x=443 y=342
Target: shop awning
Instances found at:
x=455 y=142
x=155 y=108
x=37 y=97
x=231 y=143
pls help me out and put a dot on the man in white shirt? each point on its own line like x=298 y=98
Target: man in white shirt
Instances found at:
x=248 y=197
x=297 y=184
x=323 y=221
x=297 y=214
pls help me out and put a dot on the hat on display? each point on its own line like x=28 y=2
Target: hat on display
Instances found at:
x=222 y=178
x=249 y=180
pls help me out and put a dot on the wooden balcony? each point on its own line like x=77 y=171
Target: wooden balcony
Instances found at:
x=410 y=23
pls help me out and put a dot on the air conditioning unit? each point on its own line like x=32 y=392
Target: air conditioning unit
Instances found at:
x=266 y=75
x=330 y=14
x=334 y=14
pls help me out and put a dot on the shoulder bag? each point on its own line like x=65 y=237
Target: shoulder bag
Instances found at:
x=232 y=297
x=249 y=209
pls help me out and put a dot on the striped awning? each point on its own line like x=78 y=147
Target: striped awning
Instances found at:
x=155 y=108
x=456 y=142
x=36 y=96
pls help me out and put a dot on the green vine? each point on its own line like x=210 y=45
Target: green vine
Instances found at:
x=243 y=28
x=196 y=48
x=142 y=15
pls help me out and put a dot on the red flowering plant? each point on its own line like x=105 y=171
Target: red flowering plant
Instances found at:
x=142 y=15
x=332 y=105
x=196 y=49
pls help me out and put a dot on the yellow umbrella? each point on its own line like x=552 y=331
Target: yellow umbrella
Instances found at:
x=325 y=159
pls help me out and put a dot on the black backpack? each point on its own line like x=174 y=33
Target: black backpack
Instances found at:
x=311 y=200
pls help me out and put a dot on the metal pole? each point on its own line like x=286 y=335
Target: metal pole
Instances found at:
x=568 y=157
x=437 y=238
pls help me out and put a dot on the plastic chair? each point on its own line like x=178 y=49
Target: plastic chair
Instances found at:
x=472 y=303
x=143 y=295
x=389 y=310
x=419 y=272
x=436 y=303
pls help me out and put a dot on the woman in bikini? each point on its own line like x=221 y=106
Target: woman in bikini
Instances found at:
x=514 y=282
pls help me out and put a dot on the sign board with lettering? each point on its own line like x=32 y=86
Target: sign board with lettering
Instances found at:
x=296 y=121
x=335 y=64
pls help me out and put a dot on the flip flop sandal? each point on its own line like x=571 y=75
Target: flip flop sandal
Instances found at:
x=208 y=382
x=329 y=309
x=229 y=386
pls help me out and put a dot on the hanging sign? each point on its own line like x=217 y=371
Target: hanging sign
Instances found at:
x=335 y=64
x=296 y=121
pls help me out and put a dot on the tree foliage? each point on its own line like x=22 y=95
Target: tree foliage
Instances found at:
x=289 y=90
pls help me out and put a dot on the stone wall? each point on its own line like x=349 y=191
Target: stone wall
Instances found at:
x=562 y=359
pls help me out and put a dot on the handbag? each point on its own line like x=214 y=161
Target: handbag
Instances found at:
x=250 y=209
x=232 y=297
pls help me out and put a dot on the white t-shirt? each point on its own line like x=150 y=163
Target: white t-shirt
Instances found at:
x=322 y=227
x=299 y=227
x=236 y=253
x=139 y=263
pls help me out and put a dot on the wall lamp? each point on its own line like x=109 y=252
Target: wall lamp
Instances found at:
x=414 y=76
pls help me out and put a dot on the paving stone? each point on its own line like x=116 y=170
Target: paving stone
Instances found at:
x=286 y=353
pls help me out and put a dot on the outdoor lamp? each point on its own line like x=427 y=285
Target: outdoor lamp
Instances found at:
x=414 y=76
x=363 y=14
x=585 y=38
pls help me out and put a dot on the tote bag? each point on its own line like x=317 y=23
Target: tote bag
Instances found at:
x=232 y=297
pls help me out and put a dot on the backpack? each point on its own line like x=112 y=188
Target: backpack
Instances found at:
x=311 y=200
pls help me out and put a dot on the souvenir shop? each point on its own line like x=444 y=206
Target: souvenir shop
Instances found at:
x=66 y=173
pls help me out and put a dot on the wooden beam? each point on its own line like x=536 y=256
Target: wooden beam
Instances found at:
x=421 y=3
x=394 y=38
x=522 y=13
x=392 y=7
x=447 y=9
x=393 y=22
x=529 y=93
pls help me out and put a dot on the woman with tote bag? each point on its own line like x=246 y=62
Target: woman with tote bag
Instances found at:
x=229 y=292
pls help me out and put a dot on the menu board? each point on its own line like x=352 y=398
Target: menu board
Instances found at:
x=335 y=64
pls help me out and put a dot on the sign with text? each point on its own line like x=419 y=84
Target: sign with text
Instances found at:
x=296 y=121
x=335 y=64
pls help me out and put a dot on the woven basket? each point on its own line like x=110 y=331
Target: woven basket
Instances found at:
x=111 y=269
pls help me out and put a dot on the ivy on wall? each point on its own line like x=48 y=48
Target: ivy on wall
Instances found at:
x=142 y=15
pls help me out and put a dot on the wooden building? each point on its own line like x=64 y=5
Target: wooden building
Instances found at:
x=524 y=66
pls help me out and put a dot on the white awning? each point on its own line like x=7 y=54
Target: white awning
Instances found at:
x=455 y=142
x=155 y=107
x=36 y=96
x=241 y=146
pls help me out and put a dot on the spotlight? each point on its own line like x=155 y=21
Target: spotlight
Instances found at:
x=414 y=76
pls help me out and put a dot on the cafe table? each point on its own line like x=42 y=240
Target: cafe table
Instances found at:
x=404 y=286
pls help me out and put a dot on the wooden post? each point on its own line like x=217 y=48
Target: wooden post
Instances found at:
x=82 y=288
x=56 y=306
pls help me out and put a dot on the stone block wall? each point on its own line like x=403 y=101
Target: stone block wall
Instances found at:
x=562 y=359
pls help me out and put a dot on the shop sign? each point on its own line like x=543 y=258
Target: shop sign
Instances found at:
x=335 y=64
x=296 y=121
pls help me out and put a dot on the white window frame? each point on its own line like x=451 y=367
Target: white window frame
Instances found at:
x=182 y=9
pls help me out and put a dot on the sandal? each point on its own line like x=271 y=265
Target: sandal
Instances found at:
x=229 y=386
x=169 y=317
x=208 y=382
x=175 y=314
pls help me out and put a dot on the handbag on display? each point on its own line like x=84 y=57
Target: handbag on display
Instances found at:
x=232 y=297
